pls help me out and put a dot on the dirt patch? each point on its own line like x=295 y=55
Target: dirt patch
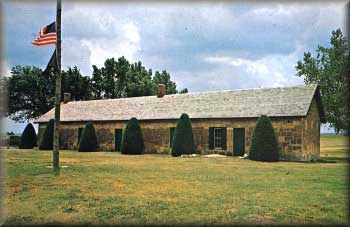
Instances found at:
x=215 y=156
x=118 y=186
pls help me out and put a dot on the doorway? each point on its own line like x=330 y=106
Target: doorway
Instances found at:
x=118 y=136
x=238 y=141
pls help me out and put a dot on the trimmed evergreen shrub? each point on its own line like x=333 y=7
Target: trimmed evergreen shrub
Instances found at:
x=132 y=142
x=28 y=138
x=88 y=139
x=46 y=142
x=264 y=143
x=183 y=142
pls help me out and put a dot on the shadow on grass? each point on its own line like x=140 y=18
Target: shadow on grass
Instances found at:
x=333 y=160
x=56 y=171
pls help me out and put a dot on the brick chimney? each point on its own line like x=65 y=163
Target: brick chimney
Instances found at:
x=161 y=90
x=66 y=97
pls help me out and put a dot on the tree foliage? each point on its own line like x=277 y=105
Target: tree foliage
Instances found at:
x=264 y=143
x=88 y=139
x=28 y=138
x=330 y=69
x=32 y=93
x=183 y=91
x=117 y=79
x=46 y=141
x=109 y=81
x=75 y=84
x=132 y=142
x=164 y=78
x=139 y=81
x=183 y=142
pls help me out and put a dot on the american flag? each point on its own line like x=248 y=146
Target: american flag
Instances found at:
x=47 y=35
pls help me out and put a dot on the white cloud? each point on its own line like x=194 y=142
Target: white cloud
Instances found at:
x=104 y=36
x=269 y=71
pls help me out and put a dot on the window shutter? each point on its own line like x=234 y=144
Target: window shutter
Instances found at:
x=211 y=138
x=224 y=138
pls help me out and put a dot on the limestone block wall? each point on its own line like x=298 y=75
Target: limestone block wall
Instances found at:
x=311 y=143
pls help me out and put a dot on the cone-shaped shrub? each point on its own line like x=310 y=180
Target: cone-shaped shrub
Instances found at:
x=264 y=143
x=28 y=138
x=183 y=142
x=133 y=139
x=46 y=142
x=88 y=139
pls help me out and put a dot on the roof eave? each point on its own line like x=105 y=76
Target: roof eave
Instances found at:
x=169 y=119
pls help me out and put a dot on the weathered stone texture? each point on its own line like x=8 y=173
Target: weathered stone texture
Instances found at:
x=311 y=143
x=299 y=137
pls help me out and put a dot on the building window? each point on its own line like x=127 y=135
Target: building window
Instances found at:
x=218 y=137
x=171 y=136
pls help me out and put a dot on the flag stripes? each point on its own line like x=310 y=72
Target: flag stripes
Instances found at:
x=47 y=35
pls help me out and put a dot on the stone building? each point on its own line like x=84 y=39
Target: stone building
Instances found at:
x=222 y=121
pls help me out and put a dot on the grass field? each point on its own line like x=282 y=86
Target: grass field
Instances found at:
x=109 y=188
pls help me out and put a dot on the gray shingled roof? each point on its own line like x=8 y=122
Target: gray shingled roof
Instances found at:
x=274 y=102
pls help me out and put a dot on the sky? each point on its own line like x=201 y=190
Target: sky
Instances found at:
x=204 y=46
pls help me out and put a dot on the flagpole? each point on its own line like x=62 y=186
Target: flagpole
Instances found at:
x=56 y=154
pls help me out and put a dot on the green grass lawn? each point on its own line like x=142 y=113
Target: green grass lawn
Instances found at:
x=109 y=188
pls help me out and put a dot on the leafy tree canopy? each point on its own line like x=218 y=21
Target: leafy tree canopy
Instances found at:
x=330 y=69
x=32 y=93
x=117 y=79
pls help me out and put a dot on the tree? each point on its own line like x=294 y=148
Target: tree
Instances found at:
x=88 y=140
x=96 y=83
x=132 y=142
x=139 y=81
x=183 y=142
x=264 y=143
x=184 y=91
x=330 y=69
x=110 y=80
x=117 y=79
x=75 y=84
x=31 y=93
x=46 y=141
x=164 y=78
x=28 y=138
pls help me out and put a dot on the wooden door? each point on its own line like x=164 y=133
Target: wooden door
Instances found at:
x=238 y=141
x=118 y=136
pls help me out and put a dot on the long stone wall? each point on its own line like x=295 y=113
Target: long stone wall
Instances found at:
x=299 y=137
